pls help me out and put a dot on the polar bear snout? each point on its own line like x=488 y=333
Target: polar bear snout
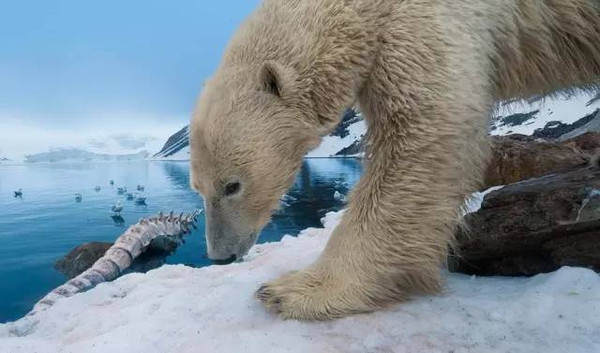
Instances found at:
x=228 y=238
x=226 y=261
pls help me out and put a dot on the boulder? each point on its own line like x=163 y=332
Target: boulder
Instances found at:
x=519 y=157
x=81 y=258
x=84 y=256
x=533 y=226
x=588 y=143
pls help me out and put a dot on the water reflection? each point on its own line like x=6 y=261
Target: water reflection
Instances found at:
x=312 y=196
x=118 y=220
x=178 y=174
x=46 y=224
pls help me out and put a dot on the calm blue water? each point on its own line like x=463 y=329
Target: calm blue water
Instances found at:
x=47 y=223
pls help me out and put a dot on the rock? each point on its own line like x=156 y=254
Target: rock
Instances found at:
x=556 y=130
x=534 y=226
x=81 y=258
x=588 y=142
x=84 y=256
x=519 y=157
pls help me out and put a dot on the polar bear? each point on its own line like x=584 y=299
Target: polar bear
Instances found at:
x=426 y=74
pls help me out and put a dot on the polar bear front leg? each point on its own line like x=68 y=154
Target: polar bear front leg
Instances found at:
x=346 y=279
x=390 y=244
x=424 y=158
x=426 y=149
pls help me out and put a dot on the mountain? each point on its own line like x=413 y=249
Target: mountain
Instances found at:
x=176 y=147
x=548 y=117
x=554 y=117
x=115 y=147
x=561 y=131
x=343 y=141
x=543 y=114
x=70 y=155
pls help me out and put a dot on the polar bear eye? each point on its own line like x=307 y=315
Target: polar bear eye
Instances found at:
x=232 y=188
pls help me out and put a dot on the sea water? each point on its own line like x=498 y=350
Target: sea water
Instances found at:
x=47 y=222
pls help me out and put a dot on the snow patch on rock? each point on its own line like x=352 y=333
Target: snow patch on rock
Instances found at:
x=473 y=203
x=331 y=145
x=563 y=108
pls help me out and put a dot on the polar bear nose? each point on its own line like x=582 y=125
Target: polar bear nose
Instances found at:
x=226 y=261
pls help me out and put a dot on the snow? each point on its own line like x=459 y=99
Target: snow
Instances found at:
x=182 y=309
x=473 y=203
x=333 y=144
x=566 y=109
x=563 y=108
x=176 y=147
x=181 y=155
x=329 y=146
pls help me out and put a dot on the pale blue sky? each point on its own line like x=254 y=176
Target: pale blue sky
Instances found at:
x=73 y=64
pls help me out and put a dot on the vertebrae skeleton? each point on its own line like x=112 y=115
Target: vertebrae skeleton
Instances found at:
x=125 y=250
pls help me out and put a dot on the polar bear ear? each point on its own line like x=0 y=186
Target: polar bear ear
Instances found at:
x=272 y=78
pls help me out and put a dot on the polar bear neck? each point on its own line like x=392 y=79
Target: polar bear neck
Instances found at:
x=338 y=64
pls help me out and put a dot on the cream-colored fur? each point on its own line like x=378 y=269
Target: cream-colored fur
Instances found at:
x=426 y=74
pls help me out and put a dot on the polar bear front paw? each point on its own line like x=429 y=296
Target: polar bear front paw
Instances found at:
x=314 y=295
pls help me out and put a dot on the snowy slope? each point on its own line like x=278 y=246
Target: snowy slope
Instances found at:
x=516 y=117
x=523 y=117
x=182 y=309
x=181 y=155
x=520 y=117
x=346 y=137
x=332 y=144
x=176 y=147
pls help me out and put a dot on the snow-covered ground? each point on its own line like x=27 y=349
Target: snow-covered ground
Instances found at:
x=182 y=309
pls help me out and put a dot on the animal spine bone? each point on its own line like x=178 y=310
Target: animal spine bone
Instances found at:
x=124 y=251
